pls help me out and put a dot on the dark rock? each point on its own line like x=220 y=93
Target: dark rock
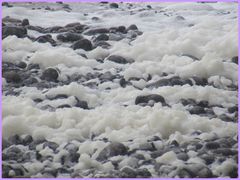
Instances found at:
x=50 y=74
x=45 y=39
x=157 y=153
x=132 y=27
x=138 y=156
x=14 y=153
x=182 y=156
x=15 y=139
x=203 y=104
x=82 y=44
x=12 y=76
x=176 y=81
x=154 y=97
x=73 y=24
x=25 y=22
x=64 y=106
x=22 y=65
x=184 y=173
x=149 y=6
x=180 y=18
x=32 y=145
x=117 y=59
x=18 y=31
x=33 y=66
x=58 y=96
x=197 y=110
x=123 y=82
x=30 y=81
x=27 y=140
x=186 y=102
x=53 y=29
x=209 y=159
x=212 y=145
x=5 y=171
x=69 y=37
x=143 y=173
x=128 y=172
x=113 y=149
x=233 y=109
x=107 y=76
x=121 y=29
x=225 y=151
x=36 y=28
x=235 y=59
x=102 y=44
x=225 y=118
x=102 y=37
x=200 y=81
x=81 y=104
x=113 y=5
x=95 y=18
x=51 y=145
x=96 y=31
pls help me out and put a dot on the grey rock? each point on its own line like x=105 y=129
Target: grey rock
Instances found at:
x=46 y=39
x=212 y=145
x=113 y=149
x=117 y=59
x=182 y=156
x=113 y=5
x=235 y=59
x=18 y=31
x=128 y=172
x=197 y=110
x=69 y=37
x=154 y=97
x=96 y=31
x=51 y=145
x=132 y=27
x=50 y=74
x=82 y=44
x=12 y=77
x=25 y=22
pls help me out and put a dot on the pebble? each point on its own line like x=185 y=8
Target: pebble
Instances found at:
x=82 y=44
x=235 y=59
x=117 y=59
x=46 y=39
x=132 y=27
x=50 y=74
x=113 y=5
x=154 y=97
x=113 y=149
x=12 y=77
x=25 y=22
x=69 y=37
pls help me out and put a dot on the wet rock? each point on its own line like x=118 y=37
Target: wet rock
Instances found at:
x=233 y=109
x=197 y=110
x=113 y=5
x=33 y=66
x=12 y=77
x=64 y=106
x=73 y=24
x=200 y=81
x=212 y=145
x=117 y=59
x=209 y=159
x=91 y=32
x=27 y=140
x=82 y=44
x=184 y=173
x=25 y=22
x=102 y=37
x=225 y=151
x=225 y=118
x=58 y=96
x=143 y=173
x=191 y=56
x=102 y=44
x=18 y=31
x=121 y=29
x=186 y=102
x=132 y=27
x=128 y=172
x=14 y=153
x=51 y=145
x=149 y=6
x=152 y=97
x=69 y=37
x=46 y=38
x=113 y=149
x=22 y=65
x=235 y=59
x=81 y=104
x=182 y=156
x=15 y=139
x=157 y=153
x=180 y=18
x=50 y=74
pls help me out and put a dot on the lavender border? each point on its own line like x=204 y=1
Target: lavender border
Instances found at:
x=115 y=1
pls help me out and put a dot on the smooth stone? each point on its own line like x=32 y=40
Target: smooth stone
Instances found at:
x=33 y=66
x=182 y=156
x=46 y=39
x=209 y=159
x=12 y=76
x=73 y=24
x=27 y=140
x=15 y=139
x=117 y=59
x=102 y=37
x=132 y=27
x=225 y=151
x=84 y=44
x=102 y=44
x=64 y=106
x=200 y=81
x=25 y=22
x=235 y=59
x=81 y=104
x=225 y=118
x=212 y=145
x=18 y=31
x=51 y=145
x=22 y=65
x=50 y=74
x=96 y=31
x=69 y=37
x=127 y=172
x=145 y=99
x=233 y=109
x=186 y=102
x=58 y=96
x=113 y=149
x=113 y=5
x=143 y=173
x=197 y=110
